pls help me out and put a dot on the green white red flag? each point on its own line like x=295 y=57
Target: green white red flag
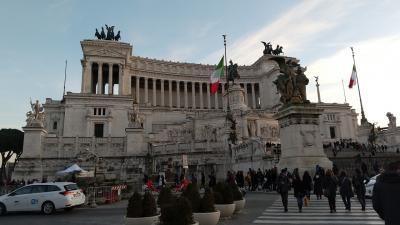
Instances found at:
x=216 y=76
x=353 y=78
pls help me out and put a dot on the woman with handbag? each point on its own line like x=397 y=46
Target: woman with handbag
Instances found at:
x=307 y=180
x=318 y=179
x=330 y=188
x=346 y=191
x=299 y=190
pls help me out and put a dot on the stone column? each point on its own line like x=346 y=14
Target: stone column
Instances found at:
x=178 y=94
x=201 y=95
x=223 y=92
x=120 y=82
x=162 y=93
x=146 y=90
x=154 y=92
x=110 y=78
x=193 y=95
x=245 y=94
x=137 y=89
x=186 y=95
x=170 y=93
x=208 y=96
x=253 y=95
x=90 y=77
x=86 y=77
x=100 y=79
x=216 y=100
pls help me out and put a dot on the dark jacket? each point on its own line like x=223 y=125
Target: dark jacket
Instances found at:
x=298 y=188
x=345 y=187
x=318 y=184
x=330 y=185
x=283 y=183
x=359 y=184
x=307 y=181
x=386 y=198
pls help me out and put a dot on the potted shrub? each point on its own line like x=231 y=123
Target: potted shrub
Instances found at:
x=207 y=214
x=238 y=198
x=165 y=196
x=141 y=211
x=224 y=199
x=178 y=212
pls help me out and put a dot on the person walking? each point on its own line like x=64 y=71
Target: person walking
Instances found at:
x=283 y=188
x=346 y=191
x=386 y=195
x=359 y=181
x=330 y=187
x=307 y=181
x=203 y=180
x=318 y=190
x=299 y=189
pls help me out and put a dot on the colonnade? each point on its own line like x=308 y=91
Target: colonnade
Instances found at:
x=106 y=78
x=187 y=94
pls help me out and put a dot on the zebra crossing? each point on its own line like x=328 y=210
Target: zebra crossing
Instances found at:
x=318 y=213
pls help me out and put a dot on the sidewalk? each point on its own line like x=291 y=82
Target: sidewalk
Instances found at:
x=116 y=205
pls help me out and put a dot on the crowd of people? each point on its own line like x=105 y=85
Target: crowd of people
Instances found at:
x=349 y=145
x=329 y=183
x=257 y=180
x=324 y=183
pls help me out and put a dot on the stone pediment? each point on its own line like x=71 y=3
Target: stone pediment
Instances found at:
x=105 y=52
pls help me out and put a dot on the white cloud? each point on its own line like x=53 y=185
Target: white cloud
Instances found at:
x=376 y=62
x=293 y=30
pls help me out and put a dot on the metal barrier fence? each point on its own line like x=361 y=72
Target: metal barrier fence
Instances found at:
x=104 y=194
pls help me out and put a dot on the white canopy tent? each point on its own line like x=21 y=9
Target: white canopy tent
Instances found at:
x=72 y=169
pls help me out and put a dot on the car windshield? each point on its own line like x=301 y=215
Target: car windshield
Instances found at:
x=71 y=187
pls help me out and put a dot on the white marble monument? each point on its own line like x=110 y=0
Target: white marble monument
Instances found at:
x=300 y=136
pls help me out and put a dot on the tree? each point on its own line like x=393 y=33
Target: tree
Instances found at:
x=11 y=143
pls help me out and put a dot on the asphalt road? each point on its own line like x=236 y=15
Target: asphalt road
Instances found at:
x=114 y=214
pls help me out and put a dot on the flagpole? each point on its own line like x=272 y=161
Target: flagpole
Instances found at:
x=65 y=76
x=226 y=76
x=363 y=119
x=344 y=92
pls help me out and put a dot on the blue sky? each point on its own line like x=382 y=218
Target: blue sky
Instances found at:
x=38 y=36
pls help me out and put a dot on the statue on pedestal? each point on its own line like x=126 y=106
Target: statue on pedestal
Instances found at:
x=110 y=34
x=268 y=50
x=135 y=120
x=233 y=72
x=35 y=117
x=392 y=120
x=291 y=82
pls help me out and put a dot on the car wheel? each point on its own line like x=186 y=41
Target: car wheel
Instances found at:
x=2 y=209
x=48 y=208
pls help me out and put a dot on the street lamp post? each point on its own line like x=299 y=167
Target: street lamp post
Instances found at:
x=96 y=161
x=93 y=203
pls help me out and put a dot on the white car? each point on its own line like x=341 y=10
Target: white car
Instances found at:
x=44 y=197
x=369 y=187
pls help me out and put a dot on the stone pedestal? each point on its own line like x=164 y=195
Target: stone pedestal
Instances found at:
x=33 y=139
x=30 y=165
x=300 y=135
x=135 y=141
x=236 y=98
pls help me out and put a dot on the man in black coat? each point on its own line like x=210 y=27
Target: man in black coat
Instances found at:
x=283 y=187
x=386 y=194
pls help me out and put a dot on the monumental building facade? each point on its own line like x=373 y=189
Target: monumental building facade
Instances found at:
x=137 y=115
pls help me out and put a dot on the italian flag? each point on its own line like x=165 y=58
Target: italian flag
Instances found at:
x=353 y=78
x=216 y=76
